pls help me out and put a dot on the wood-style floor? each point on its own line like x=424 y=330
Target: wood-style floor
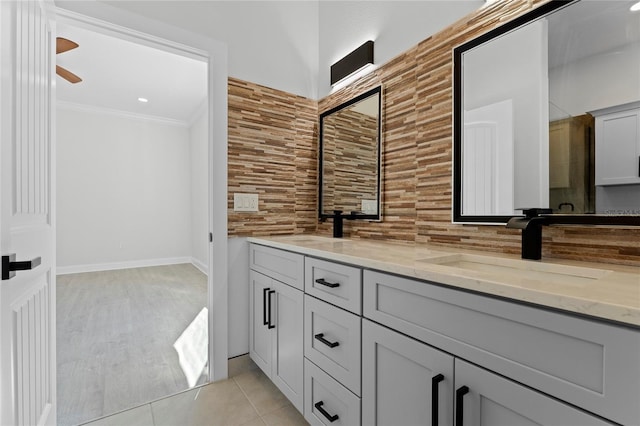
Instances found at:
x=115 y=337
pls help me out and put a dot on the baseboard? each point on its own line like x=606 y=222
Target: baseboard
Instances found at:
x=200 y=265
x=96 y=267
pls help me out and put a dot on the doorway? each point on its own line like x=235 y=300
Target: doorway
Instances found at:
x=132 y=226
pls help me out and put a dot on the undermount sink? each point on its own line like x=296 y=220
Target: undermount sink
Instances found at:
x=498 y=265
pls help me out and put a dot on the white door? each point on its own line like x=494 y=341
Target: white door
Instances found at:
x=27 y=299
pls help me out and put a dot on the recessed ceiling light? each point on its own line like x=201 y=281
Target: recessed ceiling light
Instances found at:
x=143 y=100
x=635 y=7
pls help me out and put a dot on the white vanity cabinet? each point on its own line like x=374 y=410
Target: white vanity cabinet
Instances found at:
x=378 y=348
x=276 y=314
x=558 y=355
x=618 y=145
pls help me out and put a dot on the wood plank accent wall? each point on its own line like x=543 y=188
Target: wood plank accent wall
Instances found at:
x=272 y=152
x=272 y=145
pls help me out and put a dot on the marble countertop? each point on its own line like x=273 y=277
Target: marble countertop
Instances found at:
x=599 y=290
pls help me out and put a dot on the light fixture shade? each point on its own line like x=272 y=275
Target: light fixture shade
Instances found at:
x=351 y=63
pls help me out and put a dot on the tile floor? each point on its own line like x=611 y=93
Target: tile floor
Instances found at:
x=247 y=398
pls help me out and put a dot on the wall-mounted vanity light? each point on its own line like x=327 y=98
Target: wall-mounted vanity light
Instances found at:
x=353 y=62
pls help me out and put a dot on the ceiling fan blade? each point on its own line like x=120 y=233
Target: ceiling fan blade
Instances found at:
x=63 y=44
x=67 y=75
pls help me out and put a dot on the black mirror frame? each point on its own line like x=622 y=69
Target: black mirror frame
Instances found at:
x=539 y=12
x=377 y=90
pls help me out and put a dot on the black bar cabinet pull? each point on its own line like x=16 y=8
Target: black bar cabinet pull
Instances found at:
x=638 y=165
x=460 y=393
x=264 y=305
x=327 y=283
x=270 y=325
x=435 y=381
x=10 y=266
x=320 y=336
x=329 y=417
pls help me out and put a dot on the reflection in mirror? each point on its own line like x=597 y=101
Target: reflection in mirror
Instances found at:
x=350 y=158
x=547 y=114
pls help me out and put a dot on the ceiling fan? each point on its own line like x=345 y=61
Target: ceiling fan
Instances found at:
x=64 y=45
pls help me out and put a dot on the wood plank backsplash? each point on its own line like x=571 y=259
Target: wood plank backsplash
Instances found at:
x=273 y=152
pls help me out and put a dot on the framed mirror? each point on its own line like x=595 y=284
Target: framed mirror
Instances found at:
x=547 y=114
x=349 y=160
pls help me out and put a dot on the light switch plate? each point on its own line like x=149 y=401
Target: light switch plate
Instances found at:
x=245 y=202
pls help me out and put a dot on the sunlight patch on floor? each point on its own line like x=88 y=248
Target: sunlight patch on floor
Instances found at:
x=192 y=347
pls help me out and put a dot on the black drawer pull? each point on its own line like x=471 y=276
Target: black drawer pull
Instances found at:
x=264 y=305
x=460 y=393
x=435 y=381
x=329 y=417
x=327 y=283
x=270 y=325
x=320 y=336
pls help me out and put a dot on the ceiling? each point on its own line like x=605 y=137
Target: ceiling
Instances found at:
x=590 y=28
x=117 y=72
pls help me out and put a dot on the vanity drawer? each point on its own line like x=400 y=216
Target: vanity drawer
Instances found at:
x=281 y=265
x=323 y=393
x=340 y=285
x=332 y=341
x=558 y=354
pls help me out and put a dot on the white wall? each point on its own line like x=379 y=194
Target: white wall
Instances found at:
x=199 y=174
x=238 y=296
x=123 y=195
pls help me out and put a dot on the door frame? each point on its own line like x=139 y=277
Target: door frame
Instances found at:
x=138 y=29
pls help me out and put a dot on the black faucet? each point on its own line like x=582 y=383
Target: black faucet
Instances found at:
x=338 y=221
x=531 y=225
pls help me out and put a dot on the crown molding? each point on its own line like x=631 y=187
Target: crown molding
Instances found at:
x=71 y=106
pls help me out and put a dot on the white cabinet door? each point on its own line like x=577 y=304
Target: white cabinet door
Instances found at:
x=287 y=318
x=486 y=399
x=260 y=348
x=276 y=314
x=399 y=377
x=618 y=148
